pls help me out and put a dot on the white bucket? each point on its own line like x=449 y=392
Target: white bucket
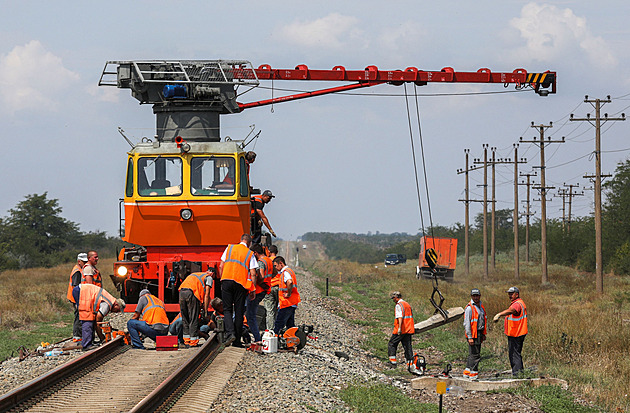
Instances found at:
x=269 y=342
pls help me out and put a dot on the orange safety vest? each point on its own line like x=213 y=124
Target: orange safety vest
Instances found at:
x=275 y=281
x=90 y=298
x=154 y=312
x=294 y=299
x=179 y=315
x=267 y=274
x=70 y=287
x=197 y=283
x=473 y=320
x=517 y=326
x=408 y=326
x=98 y=281
x=236 y=266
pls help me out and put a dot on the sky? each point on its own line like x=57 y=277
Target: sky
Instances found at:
x=338 y=163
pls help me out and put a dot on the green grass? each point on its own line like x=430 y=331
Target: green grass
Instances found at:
x=379 y=398
x=51 y=332
x=552 y=399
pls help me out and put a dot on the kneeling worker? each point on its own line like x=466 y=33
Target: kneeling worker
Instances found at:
x=149 y=319
x=403 y=330
x=94 y=304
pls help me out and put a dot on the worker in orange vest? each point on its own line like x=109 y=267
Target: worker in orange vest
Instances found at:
x=75 y=279
x=288 y=295
x=91 y=274
x=271 y=299
x=258 y=217
x=150 y=319
x=265 y=273
x=194 y=297
x=239 y=276
x=475 y=322
x=515 y=328
x=403 y=330
x=94 y=304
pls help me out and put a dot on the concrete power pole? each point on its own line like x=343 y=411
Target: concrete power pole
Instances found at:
x=467 y=202
x=597 y=104
x=543 y=194
x=485 y=208
x=527 y=214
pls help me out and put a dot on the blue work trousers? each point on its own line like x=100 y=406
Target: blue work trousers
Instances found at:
x=136 y=326
x=252 y=309
x=285 y=318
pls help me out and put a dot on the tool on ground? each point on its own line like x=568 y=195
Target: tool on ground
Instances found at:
x=106 y=328
x=342 y=355
x=420 y=363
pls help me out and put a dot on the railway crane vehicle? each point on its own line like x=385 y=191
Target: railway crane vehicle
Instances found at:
x=187 y=191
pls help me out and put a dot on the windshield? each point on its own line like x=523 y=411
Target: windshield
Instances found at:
x=159 y=176
x=391 y=256
x=212 y=176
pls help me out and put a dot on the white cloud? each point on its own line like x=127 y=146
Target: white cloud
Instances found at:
x=32 y=78
x=551 y=34
x=331 y=32
x=103 y=93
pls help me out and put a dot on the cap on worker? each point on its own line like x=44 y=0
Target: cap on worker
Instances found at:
x=121 y=304
x=268 y=193
x=82 y=256
x=143 y=292
x=513 y=290
x=396 y=294
x=475 y=291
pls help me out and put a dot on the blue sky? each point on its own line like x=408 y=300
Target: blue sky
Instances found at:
x=336 y=163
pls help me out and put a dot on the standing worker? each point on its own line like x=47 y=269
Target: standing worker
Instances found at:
x=238 y=279
x=288 y=296
x=75 y=279
x=150 y=319
x=515 y=328
x=265 y=272
x=258 y=217
x=475 y=321
x=194 y=296
x=271 y=299
x=94 y=304
x=91 y=274
x=403 y=330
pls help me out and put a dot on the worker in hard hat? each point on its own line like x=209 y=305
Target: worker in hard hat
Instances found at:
x=76 y=274
x=258 y=217
x=404 y=328
x=149 y=319
x=515 y=328
x=475 y=322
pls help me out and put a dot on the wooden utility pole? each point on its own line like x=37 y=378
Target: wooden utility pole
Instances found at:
x=493 y=228
x=485 y=208
x=562 y=193
x=515 y=216
x=597 y=104
x=467 y=202
x=527 y=214
x=570 y=195
x=543 y=194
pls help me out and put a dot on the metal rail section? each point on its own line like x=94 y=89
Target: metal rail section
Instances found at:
x=55 y=377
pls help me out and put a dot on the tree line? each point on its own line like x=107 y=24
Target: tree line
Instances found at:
x=34 y=234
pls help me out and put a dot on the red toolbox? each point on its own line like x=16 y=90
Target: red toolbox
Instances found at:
x=166 y=343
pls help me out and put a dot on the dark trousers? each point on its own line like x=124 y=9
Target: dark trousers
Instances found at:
x=474 y=354
x=405 y=339
x=189 y=306
x=87 y=333
x=234 y=296
x=285 y=318
x=515 y=346
x=252 y=308
x=76 y=325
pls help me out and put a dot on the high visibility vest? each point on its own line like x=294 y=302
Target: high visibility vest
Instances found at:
x=275 y=281
x=267 y=274
x=98 y=281
x=196 y=282
x=90 y=299
x=70 y=286
x=407 y=316
x=236 y=266
x=517 y=326
x=473 y=320
x=179 y=315
x=154 y=312
x=294 y=299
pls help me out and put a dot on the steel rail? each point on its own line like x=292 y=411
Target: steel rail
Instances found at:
x=55 y=377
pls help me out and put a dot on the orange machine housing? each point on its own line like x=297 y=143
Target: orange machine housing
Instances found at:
x=446 y=249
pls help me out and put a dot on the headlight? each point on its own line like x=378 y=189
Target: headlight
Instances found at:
x=122 y=271
x=185 y=214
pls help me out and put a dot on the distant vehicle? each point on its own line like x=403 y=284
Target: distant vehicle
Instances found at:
x=446 y=249
x=393 y=259
x=303 y=246
x=402 y=259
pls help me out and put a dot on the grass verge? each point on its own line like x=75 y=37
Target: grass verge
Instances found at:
x=378 y=397
x=551 y=399
x=50 y=332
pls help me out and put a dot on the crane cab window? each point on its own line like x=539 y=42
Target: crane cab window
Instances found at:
x=159 y=176
x=212 y=176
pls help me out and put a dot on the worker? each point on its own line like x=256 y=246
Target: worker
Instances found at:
x=288 y=295
x=176 y=328
x=217 y=311
x=515 y=328
x=265 y=272
x=238 y=280
x=75 y=279
x=94 y=304
x=403 y=330
x=250 y=158
x=475 y=321
x=149 y=319
x=258 y=217
x=91 y=274
x=271 y=299
x=194 y=297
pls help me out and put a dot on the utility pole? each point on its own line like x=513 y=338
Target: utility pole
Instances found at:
x=493 y=251
x=597 y=104
x=515 y=216
x=562 y=193
x=527 y=214
x=467 y=202
x=485 y=208
x=543 y=194
x=570 y=195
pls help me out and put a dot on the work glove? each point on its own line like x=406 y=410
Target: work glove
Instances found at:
x=273 y=233
x=496 y=318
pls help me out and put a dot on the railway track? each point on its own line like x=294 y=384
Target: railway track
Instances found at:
x=116 y=378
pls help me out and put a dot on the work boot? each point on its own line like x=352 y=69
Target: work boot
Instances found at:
x=392 y=361
x=466 y=373
x=474 y=375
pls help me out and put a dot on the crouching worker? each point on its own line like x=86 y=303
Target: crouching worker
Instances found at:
x=403 y=330
x=149 y=319
x=94 y=304
x=194 y=296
